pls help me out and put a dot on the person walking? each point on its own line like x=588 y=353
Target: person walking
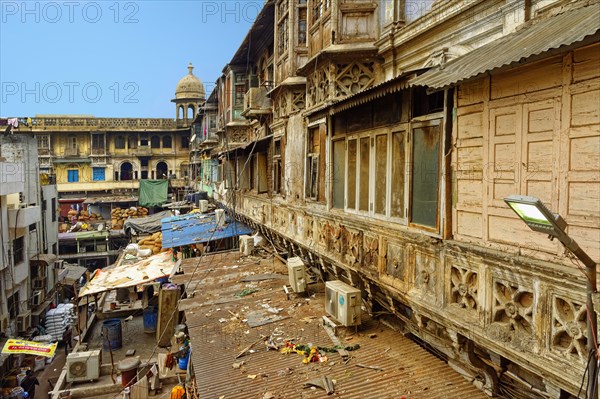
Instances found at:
x=28 y=384
x=67 y=337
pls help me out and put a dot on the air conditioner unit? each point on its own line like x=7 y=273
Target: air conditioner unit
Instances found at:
x=342 y=301
x=82 y=250
x=24 y=321
x=203 y=204
x=37 y=298
x=83 y=366
x=297 y=274
x=38 y=283
x=101 y=247
x=246 y=244
x=4 y=322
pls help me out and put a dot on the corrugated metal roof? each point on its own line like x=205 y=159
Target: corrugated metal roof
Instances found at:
x=552 y=32
x=215 y=318
x=194 y=228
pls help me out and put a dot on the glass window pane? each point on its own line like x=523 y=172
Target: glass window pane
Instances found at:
x=363 y=204
x=339 y=161
x=397 y=186
x=351 y=174
x=426 y=159
x=380 y=173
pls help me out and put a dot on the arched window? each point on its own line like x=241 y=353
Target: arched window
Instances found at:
x=120 y=142
x=155 y=142
x=167 y=142
x=161 y=170
x=191 y=111
x=180 y=112
x=126 y=171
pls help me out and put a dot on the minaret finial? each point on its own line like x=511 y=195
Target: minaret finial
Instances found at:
x=190 y=68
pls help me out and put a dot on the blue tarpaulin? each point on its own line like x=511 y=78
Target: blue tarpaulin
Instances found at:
x=195 y=228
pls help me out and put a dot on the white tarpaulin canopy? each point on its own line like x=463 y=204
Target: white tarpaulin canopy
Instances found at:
x=145 y=271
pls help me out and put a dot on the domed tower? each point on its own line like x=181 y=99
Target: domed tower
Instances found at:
x=189 y=97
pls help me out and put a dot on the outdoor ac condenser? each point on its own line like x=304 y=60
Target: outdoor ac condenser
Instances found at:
x=342 y=302
x=297 y=274
x=246 y=244
x=83 y=366
x=203 y=205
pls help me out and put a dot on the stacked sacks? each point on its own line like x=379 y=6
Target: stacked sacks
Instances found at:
x=58 y=319
x=152 y=243
x=118 y=215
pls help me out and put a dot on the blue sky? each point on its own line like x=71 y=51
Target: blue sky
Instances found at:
x=113 y=58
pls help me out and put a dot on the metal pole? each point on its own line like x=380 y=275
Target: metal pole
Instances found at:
x=592 y=322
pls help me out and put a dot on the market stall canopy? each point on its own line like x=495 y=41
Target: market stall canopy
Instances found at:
x=194 y=228
x=149 y=224
x=110 y=199
x=73 y=273
x=153 y=192
x=144 y=271
x=20 y=347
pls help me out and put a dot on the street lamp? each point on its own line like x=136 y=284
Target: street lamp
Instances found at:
x=539 y=218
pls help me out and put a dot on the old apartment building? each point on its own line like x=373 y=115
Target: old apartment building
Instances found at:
x=96 y=157
x=377 y=141
x=28 y=227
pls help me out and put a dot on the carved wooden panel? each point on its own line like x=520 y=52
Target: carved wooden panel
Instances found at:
x=354 y=247
x=426 y=273
x=317 y=87
x=298 y=100
x=395 y=262
x=309 y=227
x=371 y=251
x=464 y=285
x=238 y=134
x=356 y=26
x=354 y=77
x=512 y=315
x=569 y=329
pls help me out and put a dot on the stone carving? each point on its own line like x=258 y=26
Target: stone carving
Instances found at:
x=371 y=251
x=569 y=328
x=395 y=265
x=354 y=77
x=463 y=284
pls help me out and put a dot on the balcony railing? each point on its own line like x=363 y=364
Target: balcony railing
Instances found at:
x=143 y=151
x=256 y=102
x=92 y=123
x=71 y=152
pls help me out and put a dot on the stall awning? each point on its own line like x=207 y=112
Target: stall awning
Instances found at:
x=110 y=199
x=149 y=224
x=195 y=228
x=142 y=272
x=72 y=274
x=546 y=34
x=153 y=192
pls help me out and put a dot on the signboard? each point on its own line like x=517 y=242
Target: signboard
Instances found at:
x=17 y=346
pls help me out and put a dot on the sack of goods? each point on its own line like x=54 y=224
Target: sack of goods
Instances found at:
x=58 y=319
